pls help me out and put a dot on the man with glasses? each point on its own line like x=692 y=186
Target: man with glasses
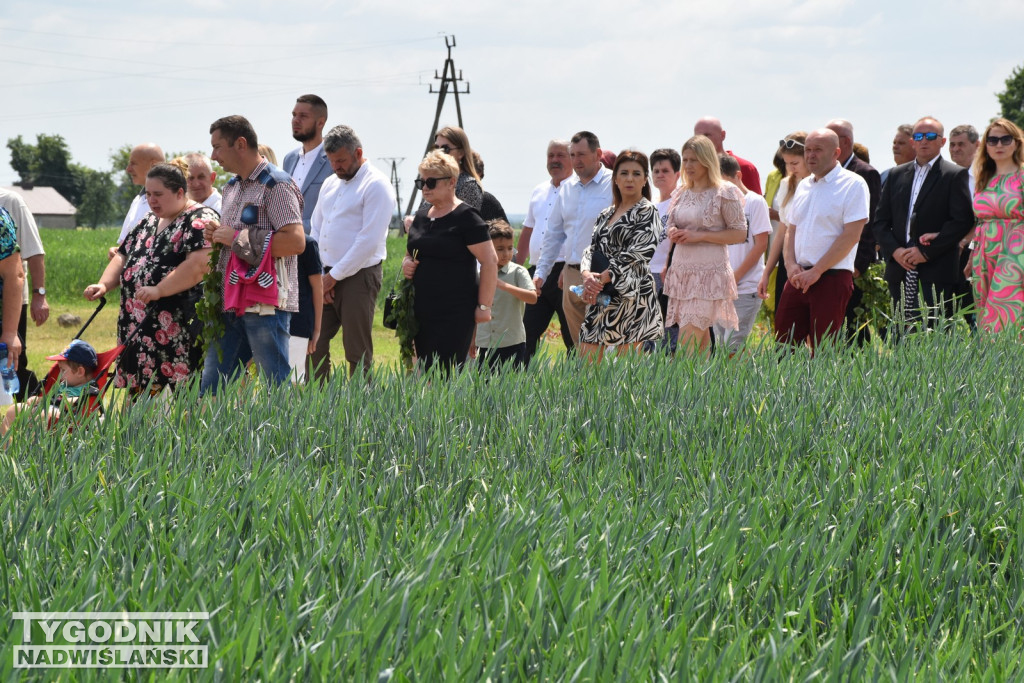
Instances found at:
x=866 y=252
x=350 y=223
x=571 y=223
x=928 y=195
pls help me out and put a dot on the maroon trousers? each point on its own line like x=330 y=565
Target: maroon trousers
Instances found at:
x=817 y=313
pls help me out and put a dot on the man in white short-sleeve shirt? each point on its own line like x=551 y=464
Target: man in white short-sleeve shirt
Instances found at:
x=537 y=317
x=828 y=214
x=746 y=258
x=200 y=181
x=142 y=158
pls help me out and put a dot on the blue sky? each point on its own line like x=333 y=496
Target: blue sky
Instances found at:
x=638 y=74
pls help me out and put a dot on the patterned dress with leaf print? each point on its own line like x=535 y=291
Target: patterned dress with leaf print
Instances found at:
x=998 y=259
x=165 y=350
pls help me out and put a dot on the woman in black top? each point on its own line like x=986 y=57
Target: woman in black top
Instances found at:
x=446 y=240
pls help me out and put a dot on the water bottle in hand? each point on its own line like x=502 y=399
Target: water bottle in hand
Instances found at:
x=602 y=298
x=10 y=377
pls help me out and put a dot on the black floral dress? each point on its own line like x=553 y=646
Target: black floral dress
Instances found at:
x=633 y=315
x=165 y=350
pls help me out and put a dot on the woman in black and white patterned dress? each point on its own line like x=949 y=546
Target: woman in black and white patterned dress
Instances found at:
x=627 y=233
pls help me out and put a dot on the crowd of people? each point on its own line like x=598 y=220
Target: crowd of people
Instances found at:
x=296 y=252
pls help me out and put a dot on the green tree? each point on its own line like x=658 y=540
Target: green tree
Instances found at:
x=97 y=206
x=1011 y=100
x=46 y=163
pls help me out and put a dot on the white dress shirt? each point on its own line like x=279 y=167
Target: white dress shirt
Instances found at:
x=920 y=173
x=28 y=233
x=820 y=210
x=572 y=218
x=351 y=220
x=213 y=201
x=304 y=163
x=137 y=211
x=542 y=200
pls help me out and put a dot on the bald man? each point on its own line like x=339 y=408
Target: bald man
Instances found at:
x=142 y=158
x=867 y=252
x=827 y=213
x=711 y=128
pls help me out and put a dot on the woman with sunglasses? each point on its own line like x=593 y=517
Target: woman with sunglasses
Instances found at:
x=446 y=241
x=791 y=148
x=998 y=260
x=454 y=141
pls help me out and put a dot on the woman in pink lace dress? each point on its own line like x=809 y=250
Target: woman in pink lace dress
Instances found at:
x=998 y=259
x=706 y=215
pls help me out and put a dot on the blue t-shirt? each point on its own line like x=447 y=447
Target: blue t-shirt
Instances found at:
x=309 y=263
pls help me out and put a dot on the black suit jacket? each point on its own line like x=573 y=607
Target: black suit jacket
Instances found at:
x=866 y=253
x=943 y=205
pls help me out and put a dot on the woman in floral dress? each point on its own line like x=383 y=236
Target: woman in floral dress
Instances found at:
x=705 y=217
x=627 y=234
x=998 y=260
x=159 y=268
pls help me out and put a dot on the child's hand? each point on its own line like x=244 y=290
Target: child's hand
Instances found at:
x=927 y=238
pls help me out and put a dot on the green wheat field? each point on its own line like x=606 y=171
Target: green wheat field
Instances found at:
x=855 y=516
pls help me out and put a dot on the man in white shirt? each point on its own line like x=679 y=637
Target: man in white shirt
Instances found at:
x=200 y=181
x=571 y=223
x=142 y=158
x=827 y=214
x=549 y=300
x=308 y=165
x=665 y=169
x=746 y=258
x=350 y=223
x=963 y=146
x=31 y=247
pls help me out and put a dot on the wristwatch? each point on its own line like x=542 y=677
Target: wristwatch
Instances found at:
x=40 y=291
x=483 y=307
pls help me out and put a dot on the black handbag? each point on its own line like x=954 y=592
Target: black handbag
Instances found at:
x=388 y=319
x=598 y=264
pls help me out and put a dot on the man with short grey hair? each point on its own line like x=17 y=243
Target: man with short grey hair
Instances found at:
x=963 y=146
x=200 y=181
x=350 y=223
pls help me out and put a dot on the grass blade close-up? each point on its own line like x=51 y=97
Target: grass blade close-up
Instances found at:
x=852 y=516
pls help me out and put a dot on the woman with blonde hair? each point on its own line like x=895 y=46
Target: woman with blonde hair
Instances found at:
x=706 y=215
x=791 y=149
x=447 y=239
x=998 y=260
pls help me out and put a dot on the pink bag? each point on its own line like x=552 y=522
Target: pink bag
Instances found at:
x=246 y=285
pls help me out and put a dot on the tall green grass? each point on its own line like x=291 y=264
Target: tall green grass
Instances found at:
x=848 y=517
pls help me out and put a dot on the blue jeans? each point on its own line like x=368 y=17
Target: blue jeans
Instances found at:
x=261 y=338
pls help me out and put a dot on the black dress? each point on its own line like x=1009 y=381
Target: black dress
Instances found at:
x=446 y=283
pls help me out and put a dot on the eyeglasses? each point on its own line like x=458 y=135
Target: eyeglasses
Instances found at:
x=996 y=140
x=925 y=136
x=447 y=149
x=790 y=143
x=429 y=183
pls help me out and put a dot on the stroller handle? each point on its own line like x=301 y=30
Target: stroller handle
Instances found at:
x=99 y=307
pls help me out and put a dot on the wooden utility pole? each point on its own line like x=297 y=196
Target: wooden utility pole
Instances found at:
x=396 y=220
x=449 y=79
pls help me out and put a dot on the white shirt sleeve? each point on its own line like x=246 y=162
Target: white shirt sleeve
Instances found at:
x=378 y=206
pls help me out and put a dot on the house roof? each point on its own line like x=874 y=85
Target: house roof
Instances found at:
x=44 y=201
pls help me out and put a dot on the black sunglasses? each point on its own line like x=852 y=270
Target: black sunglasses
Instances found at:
x=926 y=136
x=429 y=183
x=790 y=143
x=447 y=149
x=996 y=140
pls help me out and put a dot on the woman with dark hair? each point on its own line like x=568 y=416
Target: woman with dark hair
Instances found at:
x=998 y=260
x=446 y=241
x=159 y=268
x=454 y=141
x=791 y=149
x=625 y=237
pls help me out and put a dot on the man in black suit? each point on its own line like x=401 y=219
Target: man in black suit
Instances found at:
x=866 y=252
x=927 y=196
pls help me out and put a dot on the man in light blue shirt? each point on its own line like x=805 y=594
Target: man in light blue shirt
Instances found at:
x=571 y=223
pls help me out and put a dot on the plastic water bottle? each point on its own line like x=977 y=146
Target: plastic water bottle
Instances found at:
x=602 y=298
x=10 y=378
